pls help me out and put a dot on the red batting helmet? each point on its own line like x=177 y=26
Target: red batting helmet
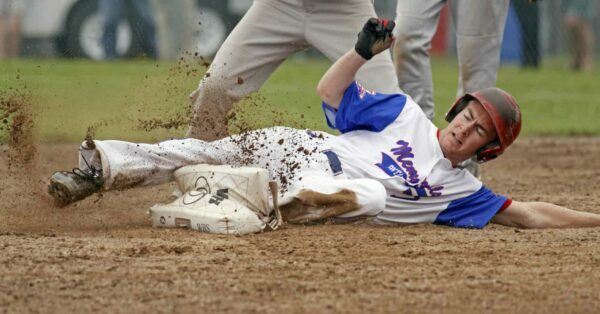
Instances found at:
x=505 y=114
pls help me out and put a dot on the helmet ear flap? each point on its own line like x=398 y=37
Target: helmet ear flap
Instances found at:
x=489 y=151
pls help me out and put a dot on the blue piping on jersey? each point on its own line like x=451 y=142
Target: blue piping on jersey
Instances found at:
x=361 y=109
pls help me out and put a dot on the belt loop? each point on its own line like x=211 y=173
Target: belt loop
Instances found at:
x=334 y=162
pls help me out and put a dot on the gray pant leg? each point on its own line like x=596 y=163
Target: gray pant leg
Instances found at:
x=416 y=23
x=479 y=30
x=269 y=32
x=332 y=28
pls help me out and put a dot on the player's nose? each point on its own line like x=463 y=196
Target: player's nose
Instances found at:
x=465 y=129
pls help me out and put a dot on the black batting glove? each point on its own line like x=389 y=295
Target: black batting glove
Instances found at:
x=375 y=37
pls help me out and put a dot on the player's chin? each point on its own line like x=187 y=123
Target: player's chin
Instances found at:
x=451 y=144
x=460 y=152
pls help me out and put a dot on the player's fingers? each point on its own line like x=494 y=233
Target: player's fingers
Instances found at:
x=372 y=22
x=390 y=26
x=392 y=40
x=379 y=28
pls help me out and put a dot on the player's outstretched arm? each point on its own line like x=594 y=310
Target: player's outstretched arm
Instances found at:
x=333 y=84
x=532 y=215
x=375 y=37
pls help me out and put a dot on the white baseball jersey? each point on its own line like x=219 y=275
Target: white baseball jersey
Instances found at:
x=389 y=138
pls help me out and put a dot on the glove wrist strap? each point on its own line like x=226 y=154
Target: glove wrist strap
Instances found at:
x=365 y=53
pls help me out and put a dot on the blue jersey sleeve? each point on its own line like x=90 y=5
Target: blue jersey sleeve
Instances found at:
x=361 y=109
x=473 y=211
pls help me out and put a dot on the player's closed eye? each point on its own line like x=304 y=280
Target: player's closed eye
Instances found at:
x=480 y=131
x=469 y=117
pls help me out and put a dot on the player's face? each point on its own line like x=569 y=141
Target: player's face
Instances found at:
x=470 y=130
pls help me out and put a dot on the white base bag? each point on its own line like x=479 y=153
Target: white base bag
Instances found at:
x=221 y=199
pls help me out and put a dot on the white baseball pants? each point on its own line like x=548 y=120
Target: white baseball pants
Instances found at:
x=293 y=157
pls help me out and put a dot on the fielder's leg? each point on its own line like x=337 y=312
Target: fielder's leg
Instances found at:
x=332 y=26
x=269 y=32
x=416 y=23
x=479 y=30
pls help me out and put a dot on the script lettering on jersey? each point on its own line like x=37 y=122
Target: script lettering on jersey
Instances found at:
x=403 y=166
x=363 y=91
x=415 y=192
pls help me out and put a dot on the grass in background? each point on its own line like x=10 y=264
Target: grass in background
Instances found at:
x=70 y=96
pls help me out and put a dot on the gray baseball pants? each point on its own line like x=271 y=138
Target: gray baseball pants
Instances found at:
x=270 y=32
x=479 y=26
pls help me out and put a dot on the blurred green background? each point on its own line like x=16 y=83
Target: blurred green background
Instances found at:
x=115 y=98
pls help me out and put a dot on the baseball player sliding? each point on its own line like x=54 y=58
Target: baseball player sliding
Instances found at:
x=390 y=163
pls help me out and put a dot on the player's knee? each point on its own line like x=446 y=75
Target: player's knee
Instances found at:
x=411 y=40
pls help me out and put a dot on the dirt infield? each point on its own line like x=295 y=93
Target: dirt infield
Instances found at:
x=101 y=255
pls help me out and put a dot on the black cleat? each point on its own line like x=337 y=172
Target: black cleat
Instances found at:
x=68 y=187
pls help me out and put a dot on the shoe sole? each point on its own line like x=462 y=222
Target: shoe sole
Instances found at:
x=60 y=193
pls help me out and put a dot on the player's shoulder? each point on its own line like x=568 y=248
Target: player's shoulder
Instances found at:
x=412 y=116
x=410 y=105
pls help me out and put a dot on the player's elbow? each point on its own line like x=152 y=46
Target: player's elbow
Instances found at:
x=328 y=95
x=323 y=91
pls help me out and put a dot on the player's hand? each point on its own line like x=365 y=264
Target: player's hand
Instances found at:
x=375 y=37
